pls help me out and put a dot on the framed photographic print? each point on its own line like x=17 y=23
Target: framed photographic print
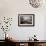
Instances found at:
x=26 y=19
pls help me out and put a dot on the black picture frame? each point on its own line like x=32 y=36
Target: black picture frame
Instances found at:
x=26 y=20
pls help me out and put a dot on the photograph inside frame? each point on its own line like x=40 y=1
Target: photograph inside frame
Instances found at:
x=26 y=19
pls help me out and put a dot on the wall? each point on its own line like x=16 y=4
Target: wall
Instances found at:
x=11 y=8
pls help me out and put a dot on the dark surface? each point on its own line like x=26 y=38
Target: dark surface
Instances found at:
x=5 y=43
x=11 y=43
x=2 y=43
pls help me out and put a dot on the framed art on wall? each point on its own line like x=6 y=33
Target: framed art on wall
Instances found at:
x=26 y=19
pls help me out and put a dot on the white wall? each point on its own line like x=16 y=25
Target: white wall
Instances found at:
x=11 y=8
